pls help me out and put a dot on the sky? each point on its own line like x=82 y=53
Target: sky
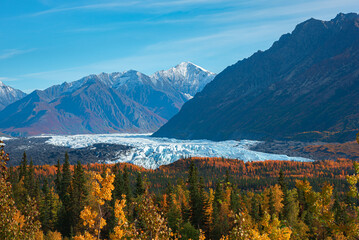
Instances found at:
x=47 y=42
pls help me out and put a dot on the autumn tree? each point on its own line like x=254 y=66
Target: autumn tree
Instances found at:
x=122 y=230
x=92 y=216
x=14 y=224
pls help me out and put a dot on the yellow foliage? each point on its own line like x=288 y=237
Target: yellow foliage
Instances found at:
x=88 y=216
x=201 y=235
x=13 y=224
x=86 y=236
x=102 y=190
x=273 y=230
x=39 y=235
x=102 y=187
x=122 y=229
x=53 y=236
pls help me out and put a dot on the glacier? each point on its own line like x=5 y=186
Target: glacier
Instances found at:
x=150 y=152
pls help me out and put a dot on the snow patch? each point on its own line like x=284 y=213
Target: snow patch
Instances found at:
x=5 y=138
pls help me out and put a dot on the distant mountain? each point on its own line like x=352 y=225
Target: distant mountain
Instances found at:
x=186 y=78
x=306 y=86
x=9 y=95
x=92 y=108
x=164 y=101
x=118 y=102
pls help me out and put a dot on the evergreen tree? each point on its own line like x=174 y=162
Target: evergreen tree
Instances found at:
x=126 y=185
x=58 y=178
x=196 y=204
x=140 y=186
x=174 y=216
x=23 y=167
x=236 y=204
x=45 y=208
x=29 y=182
x=281 y=181
x=203 y=205
x=340 y=215
x=118 y=184
x=78 y=195
x=65 y=178
x=283 y=185
x=256 y=210
x=65 y=196
x=271 y=203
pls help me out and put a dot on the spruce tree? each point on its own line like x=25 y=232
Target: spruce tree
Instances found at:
x=45 y=208
x=281 y=181
x=283 y=185
x=255 y=208
x=126 y=187
x=65 y=178
x=140 y=186
x=65 y=196
x=195 y=197
x=118 y=184
x=271 y=203
x=204 y=206
x=58 y=178
x=23 y=167
x=217 y=205
x=29 y=182
x=78 y=195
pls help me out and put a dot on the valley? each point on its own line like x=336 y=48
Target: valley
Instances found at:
x=261 y=149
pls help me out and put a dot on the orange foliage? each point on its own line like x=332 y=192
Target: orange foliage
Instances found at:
x=269 y=168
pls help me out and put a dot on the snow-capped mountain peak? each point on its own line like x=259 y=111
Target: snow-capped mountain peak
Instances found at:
x=186 y=77
x=186 y=67
x=9 y=95
x=130 y=78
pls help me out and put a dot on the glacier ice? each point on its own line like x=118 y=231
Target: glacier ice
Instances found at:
x=152 y=152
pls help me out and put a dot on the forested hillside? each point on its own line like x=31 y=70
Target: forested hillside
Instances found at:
x=212 y=199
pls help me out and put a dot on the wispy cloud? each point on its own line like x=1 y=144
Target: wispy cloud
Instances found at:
x=9 y=53
x=154 y=5
x=320 y=9
x=323 y=9
x=7 y=79
x=101 y=6
x=186 y=2
x=109 y=27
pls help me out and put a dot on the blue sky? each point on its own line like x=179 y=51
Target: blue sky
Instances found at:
x=46 y=42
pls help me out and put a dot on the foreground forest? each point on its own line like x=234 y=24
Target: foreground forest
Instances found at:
x=197 y=198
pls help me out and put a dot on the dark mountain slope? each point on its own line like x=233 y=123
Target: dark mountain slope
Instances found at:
x=305 y=86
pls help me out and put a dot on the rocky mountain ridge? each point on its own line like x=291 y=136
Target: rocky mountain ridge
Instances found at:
x=305 y=87
x=105 y=103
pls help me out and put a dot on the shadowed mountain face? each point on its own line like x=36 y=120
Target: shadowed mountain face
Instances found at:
x=118 y=102
x=306 y=86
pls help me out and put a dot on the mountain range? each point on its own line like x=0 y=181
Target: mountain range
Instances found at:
x=129 y=101
x=305 y=87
